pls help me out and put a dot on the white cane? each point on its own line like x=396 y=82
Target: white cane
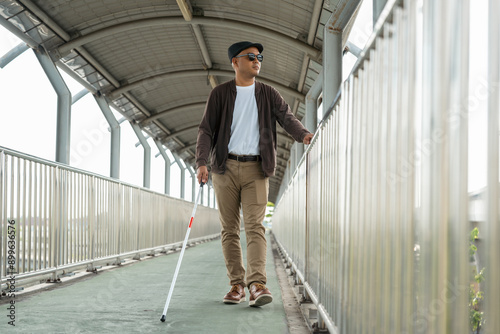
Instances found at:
x=164 y=315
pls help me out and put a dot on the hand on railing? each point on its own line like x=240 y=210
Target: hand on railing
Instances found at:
x=307 y=139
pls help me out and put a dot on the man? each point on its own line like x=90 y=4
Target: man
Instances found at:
x=238 y=133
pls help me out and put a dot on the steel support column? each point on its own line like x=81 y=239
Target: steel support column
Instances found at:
x=63 y=135
x=311 y=117
x=183 y=176
x=299 y=152
x=202 y=195
x=183 y=183
x=332 y=64
x=167 y=166
x=208 y=194
x=114 y=168
x=193 y=185
x=147 y=155
x=293 y=162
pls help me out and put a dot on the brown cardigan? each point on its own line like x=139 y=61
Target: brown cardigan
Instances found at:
x=215 y=128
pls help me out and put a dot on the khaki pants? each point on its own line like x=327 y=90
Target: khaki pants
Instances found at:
x=243 y=185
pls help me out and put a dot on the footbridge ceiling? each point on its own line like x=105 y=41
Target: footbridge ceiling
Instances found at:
x=156 y=61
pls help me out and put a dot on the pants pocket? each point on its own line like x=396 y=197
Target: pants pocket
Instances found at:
x=261 y=190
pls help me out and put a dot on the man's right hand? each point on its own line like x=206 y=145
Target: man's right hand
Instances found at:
x=202 y=174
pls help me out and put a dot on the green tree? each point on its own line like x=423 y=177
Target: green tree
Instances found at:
x=476 y=319
x=269 y=214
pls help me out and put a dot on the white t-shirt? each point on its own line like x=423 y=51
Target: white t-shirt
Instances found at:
x=245 y=126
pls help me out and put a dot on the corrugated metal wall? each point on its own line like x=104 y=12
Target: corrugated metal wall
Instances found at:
x=386 y=230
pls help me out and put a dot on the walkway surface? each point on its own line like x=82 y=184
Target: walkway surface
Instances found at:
x=130 y=299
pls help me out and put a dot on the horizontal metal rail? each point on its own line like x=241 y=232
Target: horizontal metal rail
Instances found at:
x=116 y=257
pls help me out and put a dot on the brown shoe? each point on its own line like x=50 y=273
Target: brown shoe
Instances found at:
x=235 y=295
x=259 y=295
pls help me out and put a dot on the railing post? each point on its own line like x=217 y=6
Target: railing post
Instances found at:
x=311 y=117
x=183 y=175
x=332 y=63
x=167 y=166
x=193 y=185
x=146 y=179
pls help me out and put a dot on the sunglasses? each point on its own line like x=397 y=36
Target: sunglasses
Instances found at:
x=252 y=56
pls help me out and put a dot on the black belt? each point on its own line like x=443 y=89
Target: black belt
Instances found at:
x=244 y=158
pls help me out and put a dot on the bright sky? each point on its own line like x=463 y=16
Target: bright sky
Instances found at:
x=478 y=104
x=29 y=125
x=28 y=113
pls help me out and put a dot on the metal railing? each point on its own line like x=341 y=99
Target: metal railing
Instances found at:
x=55 y=217
x=375 y=219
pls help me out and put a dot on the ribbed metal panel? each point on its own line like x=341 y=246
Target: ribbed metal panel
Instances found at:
x=492 y=228
x=387 y=227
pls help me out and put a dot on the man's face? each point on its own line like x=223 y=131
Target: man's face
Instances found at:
x=244 y=65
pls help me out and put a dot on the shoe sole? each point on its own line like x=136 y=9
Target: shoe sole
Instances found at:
x=232 y=301
x=261 y=300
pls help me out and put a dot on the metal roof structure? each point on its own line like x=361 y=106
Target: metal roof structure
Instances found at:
x=157 y=60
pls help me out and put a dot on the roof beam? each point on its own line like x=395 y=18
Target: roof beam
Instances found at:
x=204 y=52
x=18 y=33
x=203 y=46
x=181 y=131
x=185 y=8
x=342 y=13
x=90 y=59
x=194 y=73
x=318 y=6
x=171 y=21
x=187 y=147
x=187 y=13
x=183 y=108
x=76 y=77
x=49 y=22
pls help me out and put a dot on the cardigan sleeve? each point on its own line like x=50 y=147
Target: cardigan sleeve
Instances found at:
x=206 y=130
x=286 y=119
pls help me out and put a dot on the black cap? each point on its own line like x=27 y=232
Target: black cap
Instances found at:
x=240 y=46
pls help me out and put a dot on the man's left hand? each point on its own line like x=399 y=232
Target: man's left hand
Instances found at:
x=307 y=139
